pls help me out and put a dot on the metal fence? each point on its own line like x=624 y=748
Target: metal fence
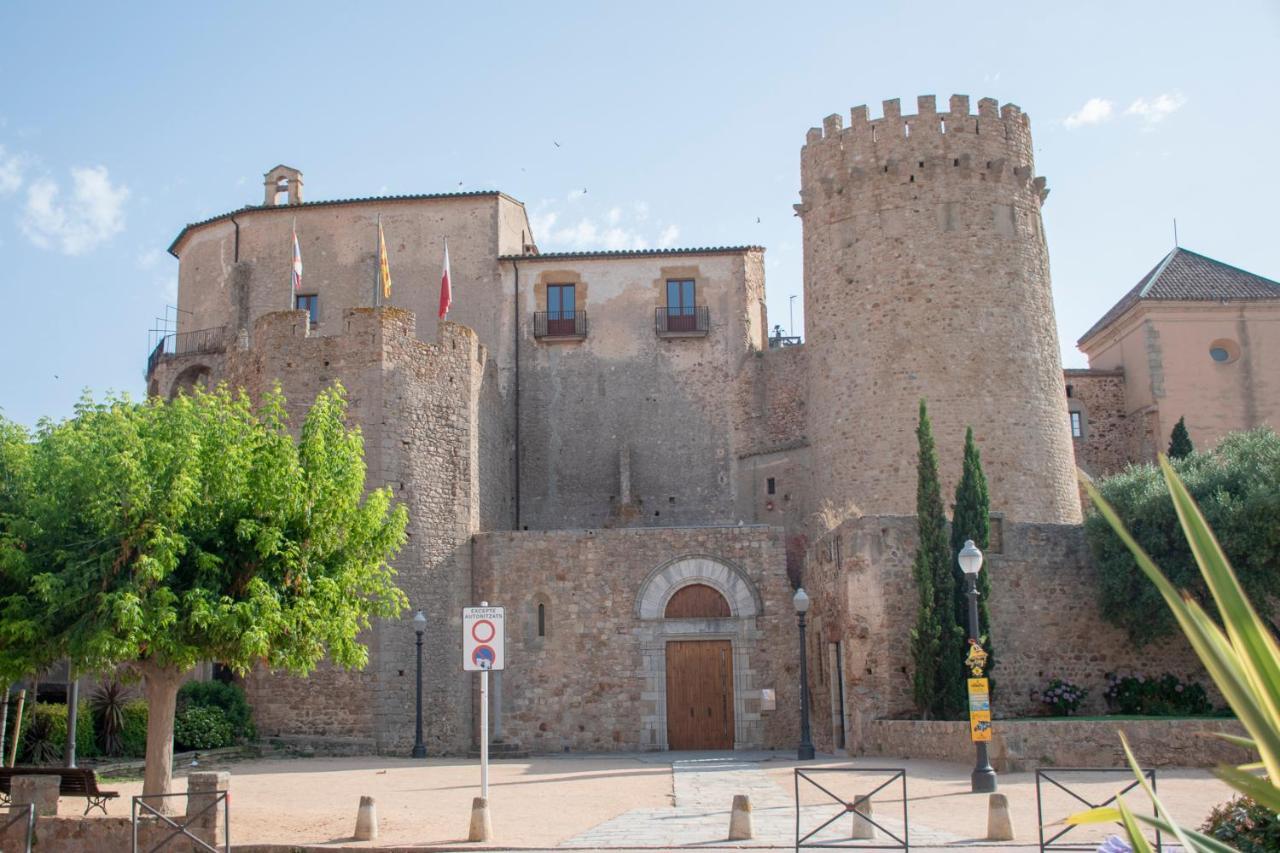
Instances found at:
x=682 y=319
x=24 y=814
x=862 y=821
x=560 y=324
x=1056 y=779
x=188 y=343
x=181 y=826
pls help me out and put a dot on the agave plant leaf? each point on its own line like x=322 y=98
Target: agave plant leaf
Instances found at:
x=1201 y=842
x=1098 y=814
x=1239 y=740
x=1136 y=838
x=1255 y=787
x=1151 y=792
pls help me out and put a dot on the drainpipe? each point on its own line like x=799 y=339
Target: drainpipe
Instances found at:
x=236 y=257
x=515 y=323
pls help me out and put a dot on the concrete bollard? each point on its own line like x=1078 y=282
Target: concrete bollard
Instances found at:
x=203 y=807
x=999 y=822
x=740 y=826
x=366 y=820
x=481 y=827
x=40 y=791
x=862 y=828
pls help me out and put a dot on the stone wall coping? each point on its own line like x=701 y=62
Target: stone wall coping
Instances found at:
x=628 y=531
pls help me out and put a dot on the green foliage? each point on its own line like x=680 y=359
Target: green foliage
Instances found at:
x=1063 y=697
x=43 y=739
x=202 y=727
x=107 y=704
x=1180 y=445
x=229 y=698
x=133 y=734
x=937 y=645
x=1245 y=825
x=1167 y=695
x=971 y=519
x=1237 y=487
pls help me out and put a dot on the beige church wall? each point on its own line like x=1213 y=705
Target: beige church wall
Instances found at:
x=595 y=681
x=927 y=276
x=665 y=403
x=1045 y=624
x=339 y=254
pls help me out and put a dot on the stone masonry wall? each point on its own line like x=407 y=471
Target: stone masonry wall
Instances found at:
x=1099 y=397
x=1044 y=624
x=927 y=276
x=595 y=681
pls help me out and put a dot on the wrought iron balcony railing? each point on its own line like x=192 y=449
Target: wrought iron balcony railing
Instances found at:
x=683 y=320
x=188 y=343
x=560 y=324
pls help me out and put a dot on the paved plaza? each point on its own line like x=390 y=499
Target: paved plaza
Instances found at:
x=644 y=801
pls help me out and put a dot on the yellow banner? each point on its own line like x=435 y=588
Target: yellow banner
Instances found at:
x=980 y=725
x=384 y=265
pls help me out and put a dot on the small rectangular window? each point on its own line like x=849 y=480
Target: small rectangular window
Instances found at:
x=1076 y=428
x=681 y=295
x=310 y=303
x=772 y=486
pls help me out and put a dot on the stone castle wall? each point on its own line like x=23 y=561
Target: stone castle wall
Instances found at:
x=1107 y=433
x=596 y=679
x=1044 y=621
x=927 y=276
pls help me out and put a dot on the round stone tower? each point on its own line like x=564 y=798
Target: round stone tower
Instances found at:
x=926 y=276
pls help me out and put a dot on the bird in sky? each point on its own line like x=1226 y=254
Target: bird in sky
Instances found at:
x=556 y=144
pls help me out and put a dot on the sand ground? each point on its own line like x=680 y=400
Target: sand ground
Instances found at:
x=547 y=801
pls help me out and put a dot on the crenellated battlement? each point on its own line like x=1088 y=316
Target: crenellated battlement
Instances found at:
x=1008 y=121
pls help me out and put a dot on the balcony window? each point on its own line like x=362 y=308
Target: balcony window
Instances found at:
x=560 y=309
x=310 y=303
x=681 y=305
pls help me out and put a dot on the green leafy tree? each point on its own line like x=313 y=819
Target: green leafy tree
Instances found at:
x=937 y=649
x=163 y=534
x=1180 y=445
x=971 y=519
x=1237 y=486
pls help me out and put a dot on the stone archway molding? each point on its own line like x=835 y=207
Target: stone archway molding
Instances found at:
x=726 y=578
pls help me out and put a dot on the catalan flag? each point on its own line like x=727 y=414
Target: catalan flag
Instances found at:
x=384 y=268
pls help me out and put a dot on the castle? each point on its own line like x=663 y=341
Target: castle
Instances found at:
x=605 y=443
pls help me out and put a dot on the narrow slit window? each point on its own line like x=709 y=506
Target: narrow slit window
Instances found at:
x=772 y=485
x=542 y=620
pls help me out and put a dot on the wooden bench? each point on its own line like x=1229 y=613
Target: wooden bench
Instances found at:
x=76 y=782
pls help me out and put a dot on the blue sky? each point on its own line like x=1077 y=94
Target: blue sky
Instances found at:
x=681 y=121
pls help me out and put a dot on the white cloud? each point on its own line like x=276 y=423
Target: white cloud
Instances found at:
x=1094 y=111
x=11 y=169
x=615 y=216
x=149 y=259
x=1158 y=108
x=93 y=215
x=613 y=231
x=669 y=236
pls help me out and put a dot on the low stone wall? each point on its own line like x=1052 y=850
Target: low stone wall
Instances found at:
x=1027 y=744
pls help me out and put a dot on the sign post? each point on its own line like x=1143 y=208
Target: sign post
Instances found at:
x=484 y=650
x=979 y=710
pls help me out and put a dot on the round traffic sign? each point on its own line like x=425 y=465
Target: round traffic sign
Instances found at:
x=483 y=630
x=484 y=656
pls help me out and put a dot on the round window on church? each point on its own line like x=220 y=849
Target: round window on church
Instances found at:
x=1224 y=351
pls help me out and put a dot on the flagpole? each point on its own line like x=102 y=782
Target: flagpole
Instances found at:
x=293 y=291
x=377 y=264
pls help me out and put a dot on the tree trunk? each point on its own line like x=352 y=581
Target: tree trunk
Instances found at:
x=160 y=685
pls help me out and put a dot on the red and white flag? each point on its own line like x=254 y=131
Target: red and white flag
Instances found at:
x=296 y=273
x=446 y=291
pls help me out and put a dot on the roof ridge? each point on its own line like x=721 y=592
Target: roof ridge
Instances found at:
x=1154 y=276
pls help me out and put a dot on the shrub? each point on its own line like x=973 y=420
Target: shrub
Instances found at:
x=43 y=739
x=202 y=727
x=1063 y=697
x=1158 y=697
x=108 y=703
x=1245 y=825
x=229 y=698
x=133 y=734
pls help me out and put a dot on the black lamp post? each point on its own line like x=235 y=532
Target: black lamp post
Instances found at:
x=970 y=559
x=419 y=748
x=805 y=751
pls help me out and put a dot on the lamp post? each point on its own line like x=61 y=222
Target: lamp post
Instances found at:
x=970 y=559
x=419 y=748
x=805 y=751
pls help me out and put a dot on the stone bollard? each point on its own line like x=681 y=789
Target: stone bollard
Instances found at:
x=999 y=822
x=862 y=828
x=41 y=791
x=366 y=820
x=740 y=826
x=481 y=827
x=204 y=810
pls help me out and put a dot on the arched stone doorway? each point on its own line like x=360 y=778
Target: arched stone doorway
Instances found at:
x=698 y=641
x=196 y=374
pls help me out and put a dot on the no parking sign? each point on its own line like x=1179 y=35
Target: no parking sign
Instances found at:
x=483 y=638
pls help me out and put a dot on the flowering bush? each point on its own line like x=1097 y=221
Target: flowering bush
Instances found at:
x=1063 y=697
x=1167 y=695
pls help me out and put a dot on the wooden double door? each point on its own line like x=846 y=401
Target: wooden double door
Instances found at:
x=700 y=694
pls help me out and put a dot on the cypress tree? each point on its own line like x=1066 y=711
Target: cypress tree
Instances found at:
x=970 y=519
x=1180 y=445
x=936 y=648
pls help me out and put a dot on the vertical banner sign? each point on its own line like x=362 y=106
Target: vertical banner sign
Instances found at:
x=483 y=639
x=979 y=709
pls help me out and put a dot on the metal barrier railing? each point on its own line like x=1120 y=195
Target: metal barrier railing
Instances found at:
x=188 y=343
x=181 y=830
x=858 y=809
x=21 y=814
x=1047 y=777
